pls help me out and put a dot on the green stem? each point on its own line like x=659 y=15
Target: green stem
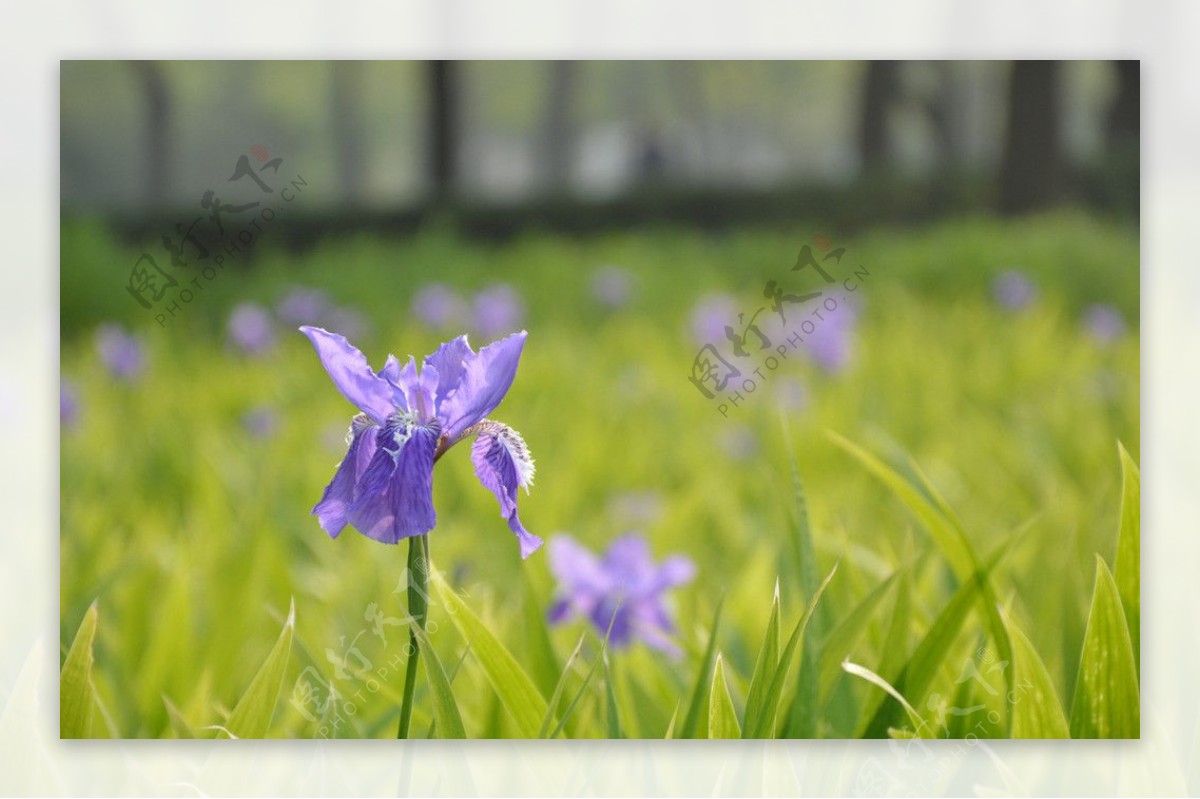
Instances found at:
x=418 y=606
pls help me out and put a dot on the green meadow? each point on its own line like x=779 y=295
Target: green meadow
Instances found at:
x=939 y=540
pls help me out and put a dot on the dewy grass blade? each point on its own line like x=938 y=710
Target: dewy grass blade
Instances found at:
x=1107 y=703
x=699 y=701
x=512 y=685
x=76 y=694
x=1034 y=706
x=764 y=667
x=252 y=715
x=722 y=719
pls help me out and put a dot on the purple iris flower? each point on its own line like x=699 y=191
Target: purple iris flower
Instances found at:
x=409 y=418
x=1013 y=290
x=303 y=306
x=261 y=422
x=625 y=587
x=612 y=287
x=498 y=308
x=710 y=316
x=121 y=352
x=1103 y=323
x=829 y=345
x=68 y=403
x=250 y=329
x=438 y=306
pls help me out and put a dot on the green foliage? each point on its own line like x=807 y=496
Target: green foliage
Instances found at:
x=251 y=718
x=189 y=530
x=76 y=694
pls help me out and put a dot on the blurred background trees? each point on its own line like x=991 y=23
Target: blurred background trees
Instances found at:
x=702 y=139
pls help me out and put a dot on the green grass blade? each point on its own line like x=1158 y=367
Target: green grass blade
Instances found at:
x=612 y=716
x=76 y=693
x=539 y=652
x=1036 y=713
x=917 y=675
x=722 y=719
x=764 y=667
x=179 y=725
x=836 y=646
x=1129 y=543
x=556 y=697
x=699 y=701
x=446 y=716
x=512 y=685
x=1107 y=703
x=252 y=715
x=950 y=540
x=864 y=673
x=766 y=717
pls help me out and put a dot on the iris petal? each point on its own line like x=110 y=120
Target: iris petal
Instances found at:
x=500 y=461
x=335 y=503
x=487 y=376
x=395 y=499
x=350 y=372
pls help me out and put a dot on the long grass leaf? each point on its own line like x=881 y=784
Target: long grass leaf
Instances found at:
x=1107 y=703
x=76 y=693
x=252 y=715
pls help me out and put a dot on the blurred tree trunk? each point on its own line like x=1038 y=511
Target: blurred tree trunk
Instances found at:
x=558 y=134
x=1031 y=175
x=1124 y=123
x=157 y=154
x=443 y=129
x=880 y=89
x=347 y=142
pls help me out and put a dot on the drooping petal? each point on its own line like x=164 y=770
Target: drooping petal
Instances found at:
x=449 y=360
x=395 y=497
x=339 y=495
x=486 y=378
x=502 y=464
x=351 y=373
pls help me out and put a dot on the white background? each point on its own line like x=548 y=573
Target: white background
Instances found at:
x=34 y=36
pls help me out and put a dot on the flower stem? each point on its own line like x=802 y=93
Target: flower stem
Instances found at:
x=418 y=606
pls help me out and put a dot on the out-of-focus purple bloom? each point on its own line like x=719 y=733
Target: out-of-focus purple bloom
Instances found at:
x=636 y=508
x=346 y=321
x=303 y=306
x=624 y=588
x=250 y=328
x=790 y=394
x=68 y=403
x=1013 y=291
x=120 y=352
x=498 y=308
x=438 y=306
x=409 y=418
x=1103 y=323
x=830 y=343
x=612 y=287
x=261 y=422
x=710 y=316
x=738 y=442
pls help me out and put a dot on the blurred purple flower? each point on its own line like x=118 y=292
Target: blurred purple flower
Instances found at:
x=346 y=321
x=790 y=394
x=409 y=419
x=1103 y=323
x=738 y=442
x=612 y=287
x=498 y=310
x=636 y=507
x=829 y=345
x=261 y=422
x=438 y=306
x=250 y=328
x=625 y=588
x=303 y=306
x=68 y=403
x=120 y=352
x=1013 y=291
x=710 y=315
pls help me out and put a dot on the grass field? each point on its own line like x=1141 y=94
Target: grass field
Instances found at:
x=962 y=471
